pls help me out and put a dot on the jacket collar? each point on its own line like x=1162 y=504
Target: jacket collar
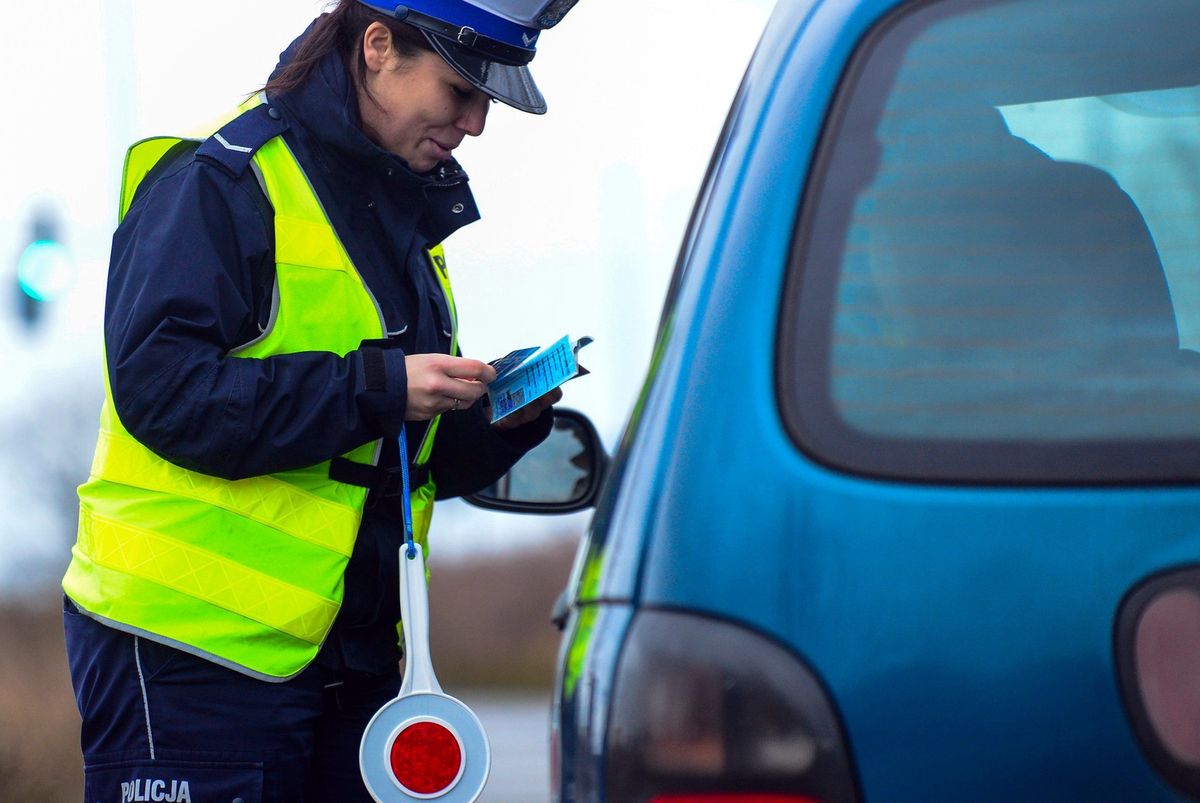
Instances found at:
x=327 y=108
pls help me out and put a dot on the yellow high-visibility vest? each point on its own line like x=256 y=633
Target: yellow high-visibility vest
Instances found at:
x=247 y=573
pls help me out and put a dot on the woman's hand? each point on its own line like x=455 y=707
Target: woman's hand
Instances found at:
x=530 y=411
x=439 y=383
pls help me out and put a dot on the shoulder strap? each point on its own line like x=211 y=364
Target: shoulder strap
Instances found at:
x=235 y=143
x=232 y=146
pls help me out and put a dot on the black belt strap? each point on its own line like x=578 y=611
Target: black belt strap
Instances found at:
x=382 y=482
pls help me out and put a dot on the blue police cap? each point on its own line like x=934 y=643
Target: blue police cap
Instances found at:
x=488 y=42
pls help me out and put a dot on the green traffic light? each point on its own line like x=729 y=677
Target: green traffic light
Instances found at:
x=45 y=270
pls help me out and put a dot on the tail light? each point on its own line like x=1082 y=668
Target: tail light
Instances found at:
x=707 y=712
x=1158 y=663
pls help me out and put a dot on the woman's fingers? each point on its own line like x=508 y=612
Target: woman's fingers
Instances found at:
x=465 y=391
x=439 y=383
x=462 y=368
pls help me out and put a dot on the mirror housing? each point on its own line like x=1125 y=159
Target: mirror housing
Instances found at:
x=562 y=474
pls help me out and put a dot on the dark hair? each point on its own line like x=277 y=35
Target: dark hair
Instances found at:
x=341 y=30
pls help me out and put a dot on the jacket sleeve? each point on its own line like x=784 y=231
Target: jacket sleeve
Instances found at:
x=469 y=454
x=181 y=296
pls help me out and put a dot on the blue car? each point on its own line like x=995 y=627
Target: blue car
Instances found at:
x=909 y=507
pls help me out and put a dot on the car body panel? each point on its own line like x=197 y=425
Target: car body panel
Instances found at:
x=965 y=633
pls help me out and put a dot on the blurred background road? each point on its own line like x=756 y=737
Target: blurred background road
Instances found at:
x=517 y=724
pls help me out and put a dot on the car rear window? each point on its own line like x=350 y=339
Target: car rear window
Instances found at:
x=997 y=274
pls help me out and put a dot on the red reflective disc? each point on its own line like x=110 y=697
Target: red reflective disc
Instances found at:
x=426 y=758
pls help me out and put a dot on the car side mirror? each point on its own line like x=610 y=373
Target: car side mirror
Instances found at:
x=562 y=474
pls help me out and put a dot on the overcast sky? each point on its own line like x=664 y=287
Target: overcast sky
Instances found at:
x=583 y=208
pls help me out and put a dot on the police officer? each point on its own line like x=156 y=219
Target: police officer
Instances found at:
x=279 y=308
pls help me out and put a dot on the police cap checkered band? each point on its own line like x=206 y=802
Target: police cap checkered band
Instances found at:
x=503 y=29
x=488 y=42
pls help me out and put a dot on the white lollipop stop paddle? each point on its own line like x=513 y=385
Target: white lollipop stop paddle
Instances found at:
x=424 y=745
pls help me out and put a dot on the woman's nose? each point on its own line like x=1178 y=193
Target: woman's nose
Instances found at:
x=474 y=116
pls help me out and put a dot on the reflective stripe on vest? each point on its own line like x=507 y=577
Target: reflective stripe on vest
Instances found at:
x=247 y=573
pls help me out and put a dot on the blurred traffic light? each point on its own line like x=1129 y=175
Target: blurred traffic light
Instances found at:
x=44 y=269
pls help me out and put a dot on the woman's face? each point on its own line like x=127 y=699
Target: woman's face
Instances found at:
x=418 y=108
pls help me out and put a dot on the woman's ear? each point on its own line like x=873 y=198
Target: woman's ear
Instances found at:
x=377 y=46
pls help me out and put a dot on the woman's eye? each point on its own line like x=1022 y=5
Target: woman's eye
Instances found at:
x=460 y=92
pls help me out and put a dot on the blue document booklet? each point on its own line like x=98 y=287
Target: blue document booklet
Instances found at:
x=525 y=374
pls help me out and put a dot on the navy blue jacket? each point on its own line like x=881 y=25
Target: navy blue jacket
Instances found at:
x=191 y=279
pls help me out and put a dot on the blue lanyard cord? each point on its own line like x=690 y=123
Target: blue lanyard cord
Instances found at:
x=408 y=528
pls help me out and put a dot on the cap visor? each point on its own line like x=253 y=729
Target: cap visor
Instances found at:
x=506 y=83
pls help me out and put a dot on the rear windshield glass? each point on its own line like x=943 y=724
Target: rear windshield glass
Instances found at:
x=998 y=278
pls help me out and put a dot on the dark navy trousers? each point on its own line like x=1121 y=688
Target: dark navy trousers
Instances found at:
x=162 y=725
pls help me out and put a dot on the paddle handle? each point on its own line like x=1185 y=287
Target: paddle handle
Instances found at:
x=414 y=613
